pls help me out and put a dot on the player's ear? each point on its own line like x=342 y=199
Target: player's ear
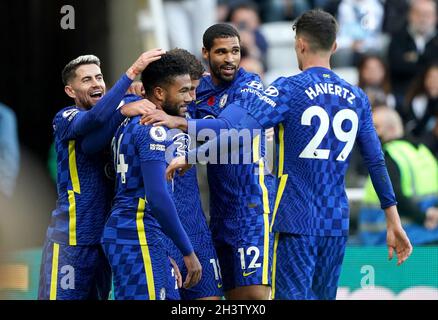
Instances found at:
x=70 y=91
x=301 y=44
x=159 y=93
x=204 y=53
x=334 y=47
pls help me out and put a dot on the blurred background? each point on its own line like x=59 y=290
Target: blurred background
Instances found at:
x=387 y=47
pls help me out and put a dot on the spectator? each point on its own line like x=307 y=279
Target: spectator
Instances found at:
x=360 y=30
x=331 y=6
x=422 y=102
x=9 y=151
x=245 y=17
x=414 y=174
x=250 y=63
x=395 y=15
x=374 y=80
x=414 y=47
x=186 y=21
x=279 y=10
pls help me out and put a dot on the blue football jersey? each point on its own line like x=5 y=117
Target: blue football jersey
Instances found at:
x=233 y=187
x=185 y=190
x=84 y=190
x=319 y=118
x=131 y=219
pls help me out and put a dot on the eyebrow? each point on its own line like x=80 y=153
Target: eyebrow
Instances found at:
x=89 y=77
x=186 y=88
x=225 y=49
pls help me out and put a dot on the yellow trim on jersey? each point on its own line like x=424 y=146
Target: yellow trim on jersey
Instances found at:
x=256 y=158
x=54 y=277
x=274 y=264
x=266 y=210
x=283 y=177
x=147 y=262
x=72 y=218
x=73 y=167
x=74 y=177
x=265 y=248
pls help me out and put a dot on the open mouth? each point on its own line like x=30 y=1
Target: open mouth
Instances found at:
x=97 y=94
x=228 y=70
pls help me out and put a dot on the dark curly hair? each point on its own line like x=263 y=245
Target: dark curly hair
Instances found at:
x=196 y=67
x=162 y=72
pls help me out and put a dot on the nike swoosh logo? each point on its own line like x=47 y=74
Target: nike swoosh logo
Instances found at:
x=219 y=285
x=246 y=274
x=198 y=101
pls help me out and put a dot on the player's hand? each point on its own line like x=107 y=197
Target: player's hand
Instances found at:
x=177 y=164
x=140 y=107
x=194 y=270
x=161 y=118
x=137 y=89
x=397 y=240
x=178 y=276
x=143 y=61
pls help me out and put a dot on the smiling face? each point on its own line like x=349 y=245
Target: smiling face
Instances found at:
x=87 y=87
x=177 y=96
x=223 y=59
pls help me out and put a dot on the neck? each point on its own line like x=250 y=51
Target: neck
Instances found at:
x=216 y=81
x=156 y=102
x=316 y=60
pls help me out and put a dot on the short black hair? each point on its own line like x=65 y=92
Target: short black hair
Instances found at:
x=219 y=30
x=69 y=71
x=319 y=27
x=162 y=72
x=195 y=66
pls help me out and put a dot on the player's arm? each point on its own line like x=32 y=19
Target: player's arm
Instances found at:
x=165 y=212
x=254 y=110
x=130 y=106
x=86 y=121
x=373 y=156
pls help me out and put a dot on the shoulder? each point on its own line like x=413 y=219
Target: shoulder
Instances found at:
x=67 y=113
x=244 y=77
x=130 y=98
x=152 y=134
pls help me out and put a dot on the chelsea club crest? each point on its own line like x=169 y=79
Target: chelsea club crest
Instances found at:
x=223 y=100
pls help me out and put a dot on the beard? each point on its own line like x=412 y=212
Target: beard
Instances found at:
x=172 y=109
x=216 y=71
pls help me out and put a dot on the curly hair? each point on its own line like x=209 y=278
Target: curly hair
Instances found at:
x=196 y=67
x=162 y=72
